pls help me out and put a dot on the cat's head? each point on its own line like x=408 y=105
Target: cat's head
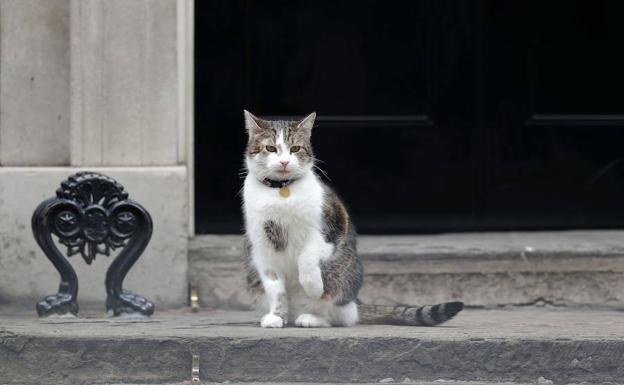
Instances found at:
x=279 y=149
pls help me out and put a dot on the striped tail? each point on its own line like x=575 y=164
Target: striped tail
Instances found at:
x=409 y=315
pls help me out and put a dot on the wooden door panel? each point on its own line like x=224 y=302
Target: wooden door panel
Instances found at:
x=554 y=141
x=343 y=58
x=575 y=67
x=393 y=131
x=433 y=115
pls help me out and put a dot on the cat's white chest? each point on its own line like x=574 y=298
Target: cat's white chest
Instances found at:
x=299 y=214
x=301 y=207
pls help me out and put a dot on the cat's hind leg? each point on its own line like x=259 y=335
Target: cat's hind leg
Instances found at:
x=344 y=315
x=309 y=320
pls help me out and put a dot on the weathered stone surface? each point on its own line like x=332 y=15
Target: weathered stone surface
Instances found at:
x=389 y=380
x=575 y=268
x=479 y=345
x=34 y=83
x=26 y=275
x=124 y=73
x=405 y=381
x=216 y=270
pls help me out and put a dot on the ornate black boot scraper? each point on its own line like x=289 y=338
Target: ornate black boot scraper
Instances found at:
x=91 y=214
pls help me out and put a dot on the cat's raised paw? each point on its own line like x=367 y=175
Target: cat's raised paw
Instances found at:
x=312 y=285
x=306 y=320
x=272 y=321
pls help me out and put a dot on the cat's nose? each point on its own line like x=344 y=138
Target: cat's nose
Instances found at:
x=284 y=163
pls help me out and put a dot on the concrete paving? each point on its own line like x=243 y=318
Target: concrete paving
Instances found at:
x=389 y=381
x=383 y=381
x=520 y=345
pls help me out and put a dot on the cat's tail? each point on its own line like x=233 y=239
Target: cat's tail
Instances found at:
x=409 y=315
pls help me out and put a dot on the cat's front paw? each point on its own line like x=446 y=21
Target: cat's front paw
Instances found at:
x=306 y=320
x=312 y=285
x=272 y=321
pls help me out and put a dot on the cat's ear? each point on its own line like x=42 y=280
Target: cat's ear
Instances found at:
x=307 y=122
x=253 y=123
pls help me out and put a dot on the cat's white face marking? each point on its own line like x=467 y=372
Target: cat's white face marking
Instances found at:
x=270 y=151
x=278 y=165
x=283 y=161
x=272 y=167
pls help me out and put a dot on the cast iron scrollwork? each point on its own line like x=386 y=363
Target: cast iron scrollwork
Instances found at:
x=90 y=215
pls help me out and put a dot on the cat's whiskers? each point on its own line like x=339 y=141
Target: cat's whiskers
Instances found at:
x=321 y=170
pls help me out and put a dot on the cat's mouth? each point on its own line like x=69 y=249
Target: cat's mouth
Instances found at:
x=282 y=172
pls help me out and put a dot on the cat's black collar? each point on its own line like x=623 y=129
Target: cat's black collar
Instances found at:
x=277 y=183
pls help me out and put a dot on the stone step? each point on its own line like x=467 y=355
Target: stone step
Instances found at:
x=511 y=345
x=387 y=381
x=570 y=268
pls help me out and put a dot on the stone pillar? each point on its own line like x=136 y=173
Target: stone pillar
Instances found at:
x=124 y=82
x=34 y=83
x=120 y=91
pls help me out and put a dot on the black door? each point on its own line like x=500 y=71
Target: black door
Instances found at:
x=433 y=115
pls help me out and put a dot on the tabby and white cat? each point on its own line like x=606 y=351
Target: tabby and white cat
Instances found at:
x=301 y=245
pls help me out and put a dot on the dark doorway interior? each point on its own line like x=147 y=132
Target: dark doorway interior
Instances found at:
x=433 y=115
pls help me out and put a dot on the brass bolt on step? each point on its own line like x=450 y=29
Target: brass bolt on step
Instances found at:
x=195 y=370
x=194 y=299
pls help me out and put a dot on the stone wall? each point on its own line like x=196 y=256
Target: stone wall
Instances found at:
x=124 y=83
x=99 y=85
x=34 y=83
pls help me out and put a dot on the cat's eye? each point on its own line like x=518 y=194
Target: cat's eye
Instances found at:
x=271 y=149
x=295 y=149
